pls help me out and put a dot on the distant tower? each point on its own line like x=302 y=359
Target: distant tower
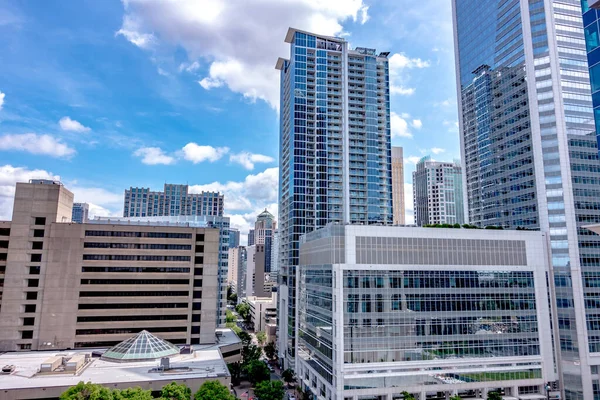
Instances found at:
x=80 y=212
x=398 y=185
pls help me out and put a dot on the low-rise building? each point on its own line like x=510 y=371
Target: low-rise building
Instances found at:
x=263 y=311
x=434 y=312
x=142 y=360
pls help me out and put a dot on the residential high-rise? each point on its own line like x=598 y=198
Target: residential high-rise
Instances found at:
x=434 y=312
x=80 y=212
x=251 y=240
x=237 y=271
x=335 y=150
x=234 y=238
x=398 y=185
x=437 y=193
x=264 y=227
x=95 y=284
x=529 y=148
x=173 y=201
x=591 y=22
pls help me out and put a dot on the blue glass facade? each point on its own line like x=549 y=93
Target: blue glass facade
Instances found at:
x=531 y=152
x=335 y=147
x=591 y=25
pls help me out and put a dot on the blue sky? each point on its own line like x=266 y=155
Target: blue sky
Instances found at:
x=104 y=95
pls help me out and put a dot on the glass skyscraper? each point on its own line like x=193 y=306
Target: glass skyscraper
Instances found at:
x=335 y=150
x=529 y=146
x=591 y=23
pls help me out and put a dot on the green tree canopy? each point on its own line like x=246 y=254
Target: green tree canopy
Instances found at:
x=269 y=390
x=213 y=390
x=494 y=396
x=244 y=310
x=134 y=393
x=261 y=338
x=235 y=369
x=270 y=351
x=251 y=353
x=87 y=391
x=257 y=371
x=245 y=338
x=229 y=316
x=408 y=396
x=174 y=391
x=288 y=376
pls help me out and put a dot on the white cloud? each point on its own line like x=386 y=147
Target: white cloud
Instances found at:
x=243 y=53
x=162 y=72
x=209 y=83
x=103 y=203
x=193 y=67
x=398 y=63
x=399 y=126
x=452 y=126
x=154 y=156
x=9 y=176
x=409 y=207
x=2 y=95
x=247 y=160
x=68 y=124
x=36 y=144
x=412 y=159
x=197 y=154
x=437 y=150
x=416 y=123
x=129 y=32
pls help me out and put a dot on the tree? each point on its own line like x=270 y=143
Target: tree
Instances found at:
x=235 y=369
x=233 y=298
x=257 y=371
x=261 y=338
x=233 y=326
x=269 y=390
x=229 y=316
x=134 y=393
x=408 y=396
x=174 y=391
x=270 y=351
x=243 y=309
x=456 y=397
x=213 y=390
x=245 y=338
x=494 y=395
x=288 y=376
x=251 y=353
x=87 y=391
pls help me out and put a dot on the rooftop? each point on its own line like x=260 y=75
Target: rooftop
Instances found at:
x=201 y=364
x=142 y=346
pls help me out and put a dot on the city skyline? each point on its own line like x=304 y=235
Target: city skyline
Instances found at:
x=104 y=118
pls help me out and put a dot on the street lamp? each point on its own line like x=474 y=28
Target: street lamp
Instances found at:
x=548 y=387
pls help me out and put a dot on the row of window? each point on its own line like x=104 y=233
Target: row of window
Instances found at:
x=162 y=235
x=129 y=257
x=135 y=281
x=149 y=246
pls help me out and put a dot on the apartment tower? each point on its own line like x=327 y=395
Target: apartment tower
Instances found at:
x=528 y=143
x=335 y=151
x=398 y=185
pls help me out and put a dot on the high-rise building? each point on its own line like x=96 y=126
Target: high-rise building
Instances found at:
x=434 y=312
x=437 y=193
x=591 y=22
x=80 y=212
x=237 y=271
x=234 y=238
x=530 y=153
x=264 y=227
x=275 y=257
x=335 y=149
x=251 y=240
x=95 y=284
x=173 y=201
x=398 y=185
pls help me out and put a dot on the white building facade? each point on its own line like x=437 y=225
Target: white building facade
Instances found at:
x=382 y=310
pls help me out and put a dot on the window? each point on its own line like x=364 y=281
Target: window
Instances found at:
x=30 y=308
x=40 y=221
x=37 y=245
x=27 y=335
x=200 y=237
x=196 y=306
x=38 y=233
x=196 y=317
x=197 y=282
x=31 y=296
x=198 y=271
x=199 y=260
x=34 y=270
x=28 y=321
x=195 y=330
x=25 y=346
x=199 y=248
x=36 y=258
x=197 y=294
x=33 y=282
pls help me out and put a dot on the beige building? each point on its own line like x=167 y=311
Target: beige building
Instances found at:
x=68 y=285
x=398 y=185
x=263 y=311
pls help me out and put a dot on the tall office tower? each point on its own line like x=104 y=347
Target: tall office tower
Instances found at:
x=398 y=185
x=234 y=237
x=335 y=149
x=80 y=212
x=437 y=193
x=591 y=22
x=531 y=157
x=236 y=271
x=251 y=237
x=174 y=200
x=434 y=312
x=95 y=284
x=275 y=257
x=263 y=234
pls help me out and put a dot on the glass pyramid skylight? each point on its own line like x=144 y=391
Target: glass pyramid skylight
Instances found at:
x=141 y=347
